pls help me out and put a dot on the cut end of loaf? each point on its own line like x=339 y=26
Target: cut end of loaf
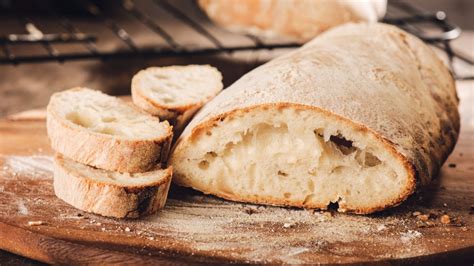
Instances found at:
x=293 y=155
x=112 y=194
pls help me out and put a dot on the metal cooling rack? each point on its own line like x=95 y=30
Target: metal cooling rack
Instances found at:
x=431 y=27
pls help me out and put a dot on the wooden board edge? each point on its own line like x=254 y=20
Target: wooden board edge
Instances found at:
x=47 y=249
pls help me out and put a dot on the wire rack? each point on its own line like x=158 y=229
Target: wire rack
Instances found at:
x=433 y=28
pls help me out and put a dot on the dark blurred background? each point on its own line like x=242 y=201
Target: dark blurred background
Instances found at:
x=29 y=85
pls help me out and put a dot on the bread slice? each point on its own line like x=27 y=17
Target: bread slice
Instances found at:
x=301 y=20
x=95 y=129
x=175 y=93
x=332 y=122
x=113 y=194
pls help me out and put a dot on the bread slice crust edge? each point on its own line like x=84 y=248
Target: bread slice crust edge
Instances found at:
x=109 y=199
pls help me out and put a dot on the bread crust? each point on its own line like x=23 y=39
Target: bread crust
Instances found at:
x=106 y=151
x=404 y=96
x=200 y=129
x=109 y=199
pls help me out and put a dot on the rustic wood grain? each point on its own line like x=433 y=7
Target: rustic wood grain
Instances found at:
x=199 y=228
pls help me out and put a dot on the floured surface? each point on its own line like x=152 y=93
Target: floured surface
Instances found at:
x=205 y=228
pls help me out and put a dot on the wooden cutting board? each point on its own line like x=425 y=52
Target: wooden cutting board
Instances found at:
x=198 y=228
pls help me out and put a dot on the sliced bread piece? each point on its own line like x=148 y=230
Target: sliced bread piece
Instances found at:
x=96 y=129
x=332 y=122
x=113 y=194
x=302 y=19
x=175 y=93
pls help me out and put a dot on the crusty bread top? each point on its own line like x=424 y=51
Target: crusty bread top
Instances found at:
x=177 y=88
x=83 y=108
x=153 y=177
x=376 y=75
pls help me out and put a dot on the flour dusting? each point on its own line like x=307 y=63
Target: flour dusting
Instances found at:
x=22 y=209
x=36 y=165
x=409 y=236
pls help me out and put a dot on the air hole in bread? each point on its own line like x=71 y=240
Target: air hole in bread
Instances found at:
x=367 y=159
x=160 y=76
x=203 y=164
x=80 y=120
x=168 y=100
x=371 y=160
x=339 y=169
x=211 y=153
x=333 y=206
x=344 y=145
x=108 y=131
x=108 y=119
x=310 y=185
x=281 y=173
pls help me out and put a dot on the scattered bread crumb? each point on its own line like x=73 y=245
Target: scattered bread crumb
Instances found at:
x=416 y=213
x=424 y=217
x=445 y=219
x=251 y=210
x=381 y=227
x=288 y=225
x=127 y=229
x=409 y=236
x=35 y=223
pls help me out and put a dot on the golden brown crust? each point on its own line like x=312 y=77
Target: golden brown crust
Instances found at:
x=108 y=199
x=106 y=151
x=208 y=124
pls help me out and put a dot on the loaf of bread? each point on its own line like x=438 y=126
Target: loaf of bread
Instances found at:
x=358 y=117
x=113 y=194
x=301 y=19
x=105 y=132
x=175 y=93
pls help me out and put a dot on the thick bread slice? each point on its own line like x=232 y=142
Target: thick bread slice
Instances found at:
x=359 y=116
x=175 y=93
x=93 y=128
x=107 y=193
x=302 y=19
